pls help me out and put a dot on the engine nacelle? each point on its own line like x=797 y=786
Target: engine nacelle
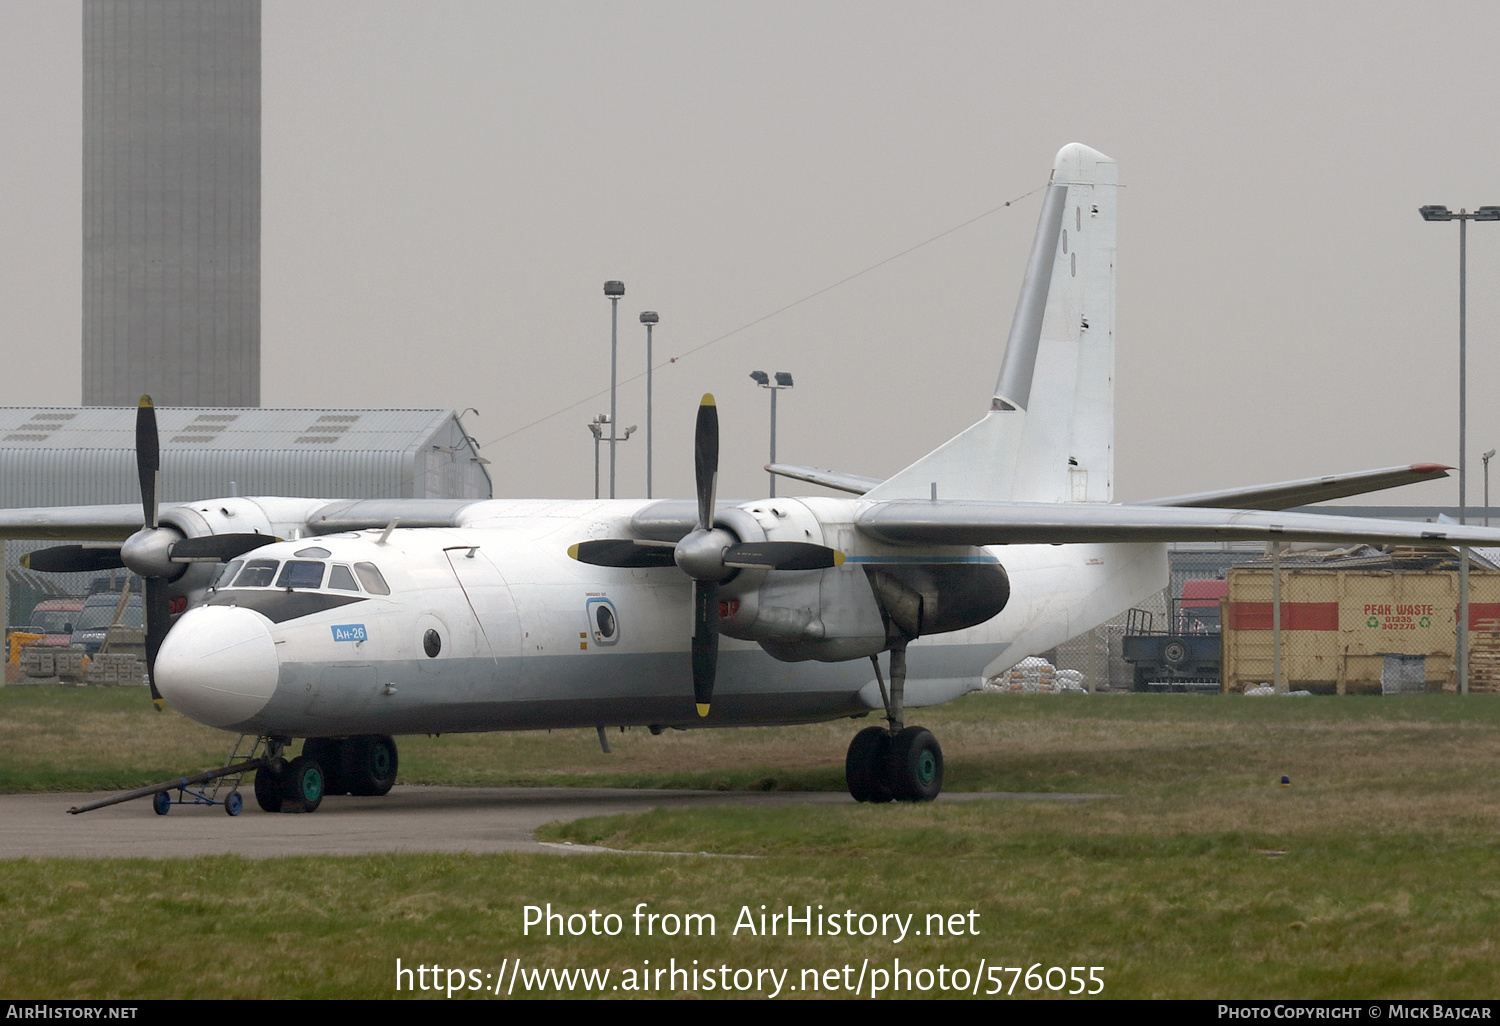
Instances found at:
x=235 y=515
x=854 y=610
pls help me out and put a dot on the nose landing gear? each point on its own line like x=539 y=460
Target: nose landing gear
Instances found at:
x=898 y=763
x=363 y=765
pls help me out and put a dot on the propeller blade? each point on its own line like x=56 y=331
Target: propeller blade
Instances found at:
x=622 y=552
x=158 y=622
x=147 y=458
x=217 y=548
x=772 y=555
x=705 y=642
x=66 y=559
x=706 y=459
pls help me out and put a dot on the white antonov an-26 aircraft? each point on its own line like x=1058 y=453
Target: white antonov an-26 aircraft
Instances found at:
x=397 y=617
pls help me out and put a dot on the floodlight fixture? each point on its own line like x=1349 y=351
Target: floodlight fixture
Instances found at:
x=783 y=379
x=760 y=378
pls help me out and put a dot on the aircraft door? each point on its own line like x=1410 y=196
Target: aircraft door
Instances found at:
x=491 y=604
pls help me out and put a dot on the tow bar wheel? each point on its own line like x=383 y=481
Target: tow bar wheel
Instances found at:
x=161 y=802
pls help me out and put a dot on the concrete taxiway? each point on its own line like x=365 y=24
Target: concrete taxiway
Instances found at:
x=409 y=819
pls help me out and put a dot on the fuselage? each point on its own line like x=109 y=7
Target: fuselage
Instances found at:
x=491 y=626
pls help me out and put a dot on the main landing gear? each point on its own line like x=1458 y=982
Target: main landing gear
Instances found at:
x=899 y=763
x=363 y=765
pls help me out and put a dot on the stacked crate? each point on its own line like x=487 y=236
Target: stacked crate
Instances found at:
x=113 y=669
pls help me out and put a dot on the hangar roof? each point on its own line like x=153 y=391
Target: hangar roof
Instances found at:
x=85 y=455
x=113 y=427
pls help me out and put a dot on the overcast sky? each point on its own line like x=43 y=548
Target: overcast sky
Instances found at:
x=446 y=186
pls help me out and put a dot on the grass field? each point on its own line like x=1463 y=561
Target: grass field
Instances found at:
x=1373 y=875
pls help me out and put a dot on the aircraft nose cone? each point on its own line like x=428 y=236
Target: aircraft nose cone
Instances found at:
x=218 y=665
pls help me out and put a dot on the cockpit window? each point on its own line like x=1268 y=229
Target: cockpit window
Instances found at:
x=301 y=573
x=370 y=577
x=258 y=573
x=227 y=574
x=340 y=579
x=316 y=552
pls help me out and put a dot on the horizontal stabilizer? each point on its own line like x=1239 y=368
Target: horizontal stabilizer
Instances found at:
x=827 y=478
x=914 y=522
x=1313 y=489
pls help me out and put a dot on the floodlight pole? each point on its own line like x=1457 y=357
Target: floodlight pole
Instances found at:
x=649 y=319
x=1277 y=683
x=597 y=427
x=1435 y=212
x=614 y=290
x=1486 y=458
x=783 y=380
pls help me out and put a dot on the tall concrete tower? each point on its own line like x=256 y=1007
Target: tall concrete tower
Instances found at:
x=171 y=202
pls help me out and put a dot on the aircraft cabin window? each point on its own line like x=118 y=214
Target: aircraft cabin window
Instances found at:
x=370 y=577
x=301 y=573
x=341 y=579
x=258 y=573
x=227 y=574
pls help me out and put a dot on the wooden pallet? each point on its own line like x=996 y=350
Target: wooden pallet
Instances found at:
x=1484 y=657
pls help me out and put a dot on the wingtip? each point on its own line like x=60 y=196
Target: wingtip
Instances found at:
x=1429 y=468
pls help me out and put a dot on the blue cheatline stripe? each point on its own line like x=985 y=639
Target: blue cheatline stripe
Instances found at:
x=920 y=559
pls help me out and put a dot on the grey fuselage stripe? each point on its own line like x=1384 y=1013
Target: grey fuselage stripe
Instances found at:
x=458 y=695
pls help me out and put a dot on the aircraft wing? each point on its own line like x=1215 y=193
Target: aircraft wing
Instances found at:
x=364 y=514
x=919 y=522
x=1309 y=490
x=827 y=478
x=74 y=523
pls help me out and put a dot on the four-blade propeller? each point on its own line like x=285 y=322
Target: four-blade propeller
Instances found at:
x=708 y=554
x=157 y=553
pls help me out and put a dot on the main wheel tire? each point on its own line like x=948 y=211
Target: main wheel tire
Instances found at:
x=865 y=765
x=330 y=755
x=302 y=787
x=369 y=764
x=916 y=766
x=268 y=789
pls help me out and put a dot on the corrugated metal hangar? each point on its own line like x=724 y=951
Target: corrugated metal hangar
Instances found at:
x=51 y=456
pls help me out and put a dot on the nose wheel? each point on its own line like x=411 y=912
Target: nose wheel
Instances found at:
x=363 y=765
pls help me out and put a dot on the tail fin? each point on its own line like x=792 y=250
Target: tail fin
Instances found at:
x=1049 y=433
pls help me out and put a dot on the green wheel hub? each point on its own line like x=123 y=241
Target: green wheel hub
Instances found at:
x=926 y=768
x=312 y=784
